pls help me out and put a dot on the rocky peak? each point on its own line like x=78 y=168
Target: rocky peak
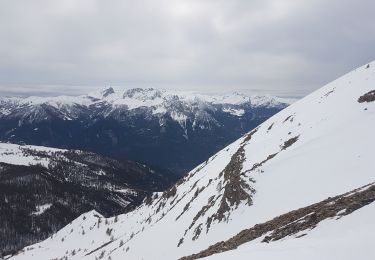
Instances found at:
x=142 y=93
x=107 y=91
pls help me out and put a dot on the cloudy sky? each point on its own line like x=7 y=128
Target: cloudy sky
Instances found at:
x=282 y=47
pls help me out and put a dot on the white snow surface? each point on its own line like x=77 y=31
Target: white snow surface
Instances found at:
x=334 y=154
x=235 y=112
x=15 y=154
x=351 y=237
x=158 y=100
x=40 y=209
x=135 y=98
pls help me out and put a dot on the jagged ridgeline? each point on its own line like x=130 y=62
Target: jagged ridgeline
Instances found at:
x=175 y=130
x=43 y=189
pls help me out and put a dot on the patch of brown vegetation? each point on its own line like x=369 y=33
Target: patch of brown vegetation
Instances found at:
x=296 y=221
x=368 y=97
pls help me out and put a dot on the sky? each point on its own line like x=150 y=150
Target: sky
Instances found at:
x=278 y=47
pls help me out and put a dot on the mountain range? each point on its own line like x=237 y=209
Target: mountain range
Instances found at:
x=301 y=185
x=170 y=129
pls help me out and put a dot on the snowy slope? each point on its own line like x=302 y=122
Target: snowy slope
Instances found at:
x=349 y=238
x=319 y=147
x=19 y=155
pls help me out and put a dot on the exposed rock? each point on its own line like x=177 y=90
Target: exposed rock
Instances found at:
x=296 y=221
x=269 y=157
x=368 y=97
x=289 y=142
x=197 y=231
x=270 y=127
x=180 y=242
x=236 y=189
x=286 y=119
x=329 y=92
x=170 y=192
x=286 y=144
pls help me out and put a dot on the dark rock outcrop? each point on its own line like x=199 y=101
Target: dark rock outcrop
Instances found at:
x=368 y=97
x=296 y=221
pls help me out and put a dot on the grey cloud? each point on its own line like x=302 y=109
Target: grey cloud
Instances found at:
x=271 y=46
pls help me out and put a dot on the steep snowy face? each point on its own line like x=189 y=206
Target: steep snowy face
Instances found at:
x=319 y=147
x=335 y=228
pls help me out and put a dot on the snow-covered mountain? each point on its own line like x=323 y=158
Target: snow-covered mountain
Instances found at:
x=180 y=106
x=177 y=104
x=42 y=189
x=175 y=130
x=300 y=182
